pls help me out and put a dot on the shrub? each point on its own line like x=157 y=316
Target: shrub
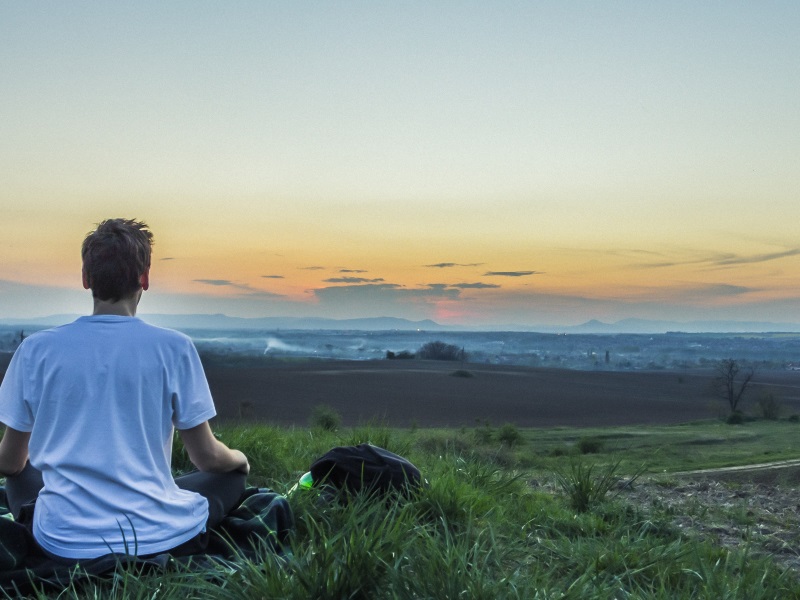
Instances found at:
x=484 y=435
x=462 y=373
x=585 y=486
x=402 y=355
x=769 y=406
x=509 y=434
x=326 y=418
x=440 y=351
x=590 y=445
x=735 y=418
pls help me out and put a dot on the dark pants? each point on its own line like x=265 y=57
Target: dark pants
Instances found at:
x=222 y=490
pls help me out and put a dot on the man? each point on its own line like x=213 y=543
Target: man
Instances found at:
x=90 y=409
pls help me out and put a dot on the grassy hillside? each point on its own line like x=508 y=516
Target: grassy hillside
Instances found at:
x=502 y=517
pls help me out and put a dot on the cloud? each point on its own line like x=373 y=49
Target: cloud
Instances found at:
x=723 y=289
x=383 y=299
x=510 y=273
x=168 y=258
x=447 y=265
x=317 y=268
x=215 y=281
x=756 y=258
x=243 y=287
x=462 y=286
x=352 y=271
x=705 y=292
x=474 y=286
x=723 y=259
x=353 y=280
x=390 y=292
x=658 y=265
x=272 y=276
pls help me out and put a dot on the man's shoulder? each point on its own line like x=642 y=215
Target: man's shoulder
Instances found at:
x=162 y=332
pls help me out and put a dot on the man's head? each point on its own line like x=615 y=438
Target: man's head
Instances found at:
x=116 y=259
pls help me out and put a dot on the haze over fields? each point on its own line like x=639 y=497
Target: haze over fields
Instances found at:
x=536 y=164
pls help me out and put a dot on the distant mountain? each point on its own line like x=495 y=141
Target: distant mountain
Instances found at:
x=220 y=321
x=647 y=326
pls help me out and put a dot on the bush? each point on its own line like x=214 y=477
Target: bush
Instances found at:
x=590 y=445
x=769 y=406
x=484 y=435
x=509 y=435
x=326 y=418
x=402 y=355
x=441 y=351
x=462 y=373
x=735 y=418
x=587 y=485
x=583 y=486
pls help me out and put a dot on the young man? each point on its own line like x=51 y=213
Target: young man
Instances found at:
x=90 y=409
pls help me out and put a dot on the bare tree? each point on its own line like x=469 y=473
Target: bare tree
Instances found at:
x=732 y=381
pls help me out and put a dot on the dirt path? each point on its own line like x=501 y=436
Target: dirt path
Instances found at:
x=754 y=506
x=783 y=471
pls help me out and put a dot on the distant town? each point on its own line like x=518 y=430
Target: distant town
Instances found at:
x=584 y=351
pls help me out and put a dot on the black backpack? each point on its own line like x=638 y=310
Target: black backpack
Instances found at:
x=365 y=468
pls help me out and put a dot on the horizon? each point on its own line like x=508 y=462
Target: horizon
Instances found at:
x=222 y=322
x=542 y=164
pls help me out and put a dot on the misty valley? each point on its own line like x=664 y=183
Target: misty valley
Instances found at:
x=615 y=352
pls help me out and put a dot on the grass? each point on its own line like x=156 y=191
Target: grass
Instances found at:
x=480 y=529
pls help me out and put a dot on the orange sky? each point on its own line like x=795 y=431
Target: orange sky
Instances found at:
x=511 y=163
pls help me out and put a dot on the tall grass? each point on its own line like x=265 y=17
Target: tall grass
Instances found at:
x=478 y=530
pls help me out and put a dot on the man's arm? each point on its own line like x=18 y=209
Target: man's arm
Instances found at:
x=13 y=451
x=208 y=454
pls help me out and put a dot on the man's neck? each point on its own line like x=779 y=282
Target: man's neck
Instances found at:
x=124 y=307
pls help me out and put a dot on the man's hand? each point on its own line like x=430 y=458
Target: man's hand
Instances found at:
x=208 y=454
x=245 y=464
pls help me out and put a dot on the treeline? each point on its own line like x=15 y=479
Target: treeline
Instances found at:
x=431 y=351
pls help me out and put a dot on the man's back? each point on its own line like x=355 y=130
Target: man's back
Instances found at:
x=90 y=410
x=101 y=396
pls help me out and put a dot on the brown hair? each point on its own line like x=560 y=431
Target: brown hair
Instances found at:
x=115 y=255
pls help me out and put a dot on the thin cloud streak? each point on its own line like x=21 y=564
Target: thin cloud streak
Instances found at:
x=758 y=258
x=726 y=259
x=243 y=287
x=217 y=282
x=353 y=280
x=474 y=286
x=449 y=265
x=511 y=273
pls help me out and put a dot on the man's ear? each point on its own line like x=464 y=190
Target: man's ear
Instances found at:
x=85 y=277
x=144 y=279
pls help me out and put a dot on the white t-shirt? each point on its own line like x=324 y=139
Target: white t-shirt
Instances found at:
x=101 y=398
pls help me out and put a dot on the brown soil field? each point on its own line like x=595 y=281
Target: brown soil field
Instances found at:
x=402 y=393
x=427 y=394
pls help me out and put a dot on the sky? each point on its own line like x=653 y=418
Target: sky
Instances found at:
x=474 y=163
